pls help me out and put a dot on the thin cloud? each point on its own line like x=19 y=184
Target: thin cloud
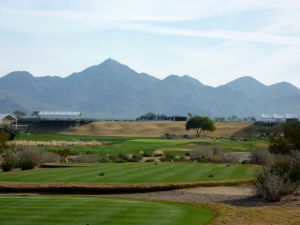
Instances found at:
x=219 y=34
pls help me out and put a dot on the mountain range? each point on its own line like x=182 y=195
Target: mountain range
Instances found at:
x=113 y=90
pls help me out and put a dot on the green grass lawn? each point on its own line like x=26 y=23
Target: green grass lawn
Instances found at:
x=75 y=210
x=134 y=173
x=133 y=145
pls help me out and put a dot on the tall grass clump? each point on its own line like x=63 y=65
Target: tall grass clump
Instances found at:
x=278 y=179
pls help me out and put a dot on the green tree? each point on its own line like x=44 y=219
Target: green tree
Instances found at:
x=287 y=140
x=19 y=114
x=35 y=113
x=291 y=132
x=279 y=144
x=199 y=124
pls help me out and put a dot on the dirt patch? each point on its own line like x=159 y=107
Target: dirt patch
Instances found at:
x=226 y=202
x=56 y=143
x=246 y=191
x=153 y=128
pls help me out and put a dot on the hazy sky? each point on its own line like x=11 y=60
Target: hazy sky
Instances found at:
x=214 y=41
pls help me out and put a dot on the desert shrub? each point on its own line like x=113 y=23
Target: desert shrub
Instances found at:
x=216 y=150
x=278 y=179
x=124 y=156
x=116 y=159
x=49 y=157
x=203 y=160
x=199 y=155
x=28 y=158
x=224 y=158
x=9 y=162
x=136 y=158
x=63 y=153
x=272 y=186
x=164 y=159
x=168 y=158
x=230 y=158
x=103 y=159
x=261 y=156
x=86 y=158
x=215 y=159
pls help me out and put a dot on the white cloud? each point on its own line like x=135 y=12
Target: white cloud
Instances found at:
x=222 y=34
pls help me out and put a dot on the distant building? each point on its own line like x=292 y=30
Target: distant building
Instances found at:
x=277 y=118
x=157 y=117
x=58 y=115
x=7 y=120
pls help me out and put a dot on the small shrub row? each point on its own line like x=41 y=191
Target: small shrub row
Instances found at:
x=26 y=158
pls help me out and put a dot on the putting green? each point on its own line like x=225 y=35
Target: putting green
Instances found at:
x=82 y=210
x=134 y=173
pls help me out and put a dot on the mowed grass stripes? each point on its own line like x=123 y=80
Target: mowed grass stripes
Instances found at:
x=134 y=173
x=72 y=210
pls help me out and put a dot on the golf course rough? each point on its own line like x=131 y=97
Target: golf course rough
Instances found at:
x=92 y=210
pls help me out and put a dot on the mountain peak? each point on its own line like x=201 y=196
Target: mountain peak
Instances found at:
x=283 y=84
x=245 y=80
x=19 y=74
x=247 y=85
x=183 y=79
x=109 y=61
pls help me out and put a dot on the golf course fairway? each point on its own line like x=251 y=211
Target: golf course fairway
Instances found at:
x=83 y=210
